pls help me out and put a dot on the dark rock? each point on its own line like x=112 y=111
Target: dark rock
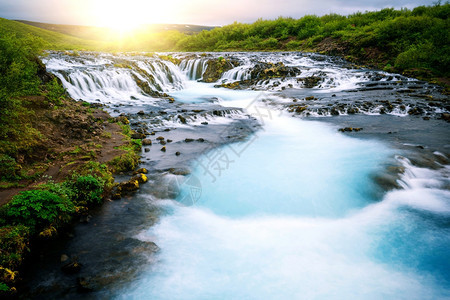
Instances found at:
x=177 y=153
x=310 y=82
x=205 y=123
x=85 y=218
x=163 y=149
x=71 y=268
x=141 y=112
x=160 y=138
x=85 y=285
x=162 y=142
x=215 y=68
x=267 y=70
x=182 y=119
x=129 y=186
x=141 y=178
x=352 y=110
x=169 y=141
x=167 y=129
x=179 y=171
x=201 y=140
x=138 y=136
x=310 y=98
x=140 y=171
x=146 y=142
x=334 y=112
x=146 y=149
x=188 y=140
x=445 y=117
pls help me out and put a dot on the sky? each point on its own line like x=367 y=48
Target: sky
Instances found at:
x=119 y=13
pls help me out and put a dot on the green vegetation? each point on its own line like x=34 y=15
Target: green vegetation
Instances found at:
x=39 y=209
x=47 y=39
x=40 y=212
x=14 y=241
x=415 y=41
x=400 y=40
x=87 y=190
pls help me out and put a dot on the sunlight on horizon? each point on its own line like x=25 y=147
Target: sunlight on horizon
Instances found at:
x=129 y=16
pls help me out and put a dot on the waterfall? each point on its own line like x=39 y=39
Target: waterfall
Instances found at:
x=113 y=79
x=194 y=68
x=237 y=74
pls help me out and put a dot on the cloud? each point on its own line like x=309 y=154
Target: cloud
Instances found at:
x=209 y=12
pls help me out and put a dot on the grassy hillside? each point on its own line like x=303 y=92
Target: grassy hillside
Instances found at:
x=47 y=39
x=413 y=41
x=105 y=34
x=139 y=40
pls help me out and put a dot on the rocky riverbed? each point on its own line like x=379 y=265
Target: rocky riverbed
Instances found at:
x=190 y=109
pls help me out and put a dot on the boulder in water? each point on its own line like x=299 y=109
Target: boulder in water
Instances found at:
x=310 y=82
x=215 y=68
x=146 y=142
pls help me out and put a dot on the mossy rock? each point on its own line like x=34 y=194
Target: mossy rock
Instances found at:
x=215 y=68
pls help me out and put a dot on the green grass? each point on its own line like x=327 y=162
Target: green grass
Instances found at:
x=50 y=39
x=413 y=41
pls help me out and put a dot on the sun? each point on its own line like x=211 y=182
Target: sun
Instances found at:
x=125 y=16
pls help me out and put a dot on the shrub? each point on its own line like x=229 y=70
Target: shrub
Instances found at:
x=293 y=45
x=270 y=43
x=54 y=91
x=14 y=243
x=8 y=168
x=416 y=56
x=39 y=209
x=87 y=190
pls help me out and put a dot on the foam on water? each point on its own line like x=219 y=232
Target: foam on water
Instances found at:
x=296 y=217
x=198 y=92
x=290 y=213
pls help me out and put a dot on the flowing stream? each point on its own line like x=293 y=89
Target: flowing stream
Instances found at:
x=277 y=203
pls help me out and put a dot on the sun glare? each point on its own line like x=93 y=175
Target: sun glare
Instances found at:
x=126 y=16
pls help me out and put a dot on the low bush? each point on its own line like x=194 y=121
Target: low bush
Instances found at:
x=86 y=190
x=54 y=92
x=39 y=209
x=8 y=168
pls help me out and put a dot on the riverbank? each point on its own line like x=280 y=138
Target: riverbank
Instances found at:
x=232 y=166
x=57 y=161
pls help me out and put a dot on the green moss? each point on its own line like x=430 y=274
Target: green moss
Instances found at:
x=54 y=92
x=14 y=243
x=125 y=162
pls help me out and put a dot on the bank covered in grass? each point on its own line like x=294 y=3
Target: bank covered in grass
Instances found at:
x=57 y=155
x=413 y=41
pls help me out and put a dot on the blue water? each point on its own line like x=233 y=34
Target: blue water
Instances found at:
x=294 y=168
x=198 y=92
x=293 y=213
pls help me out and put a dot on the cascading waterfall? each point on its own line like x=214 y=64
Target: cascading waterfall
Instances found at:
x=291 y=212
x=107 y=79
x=194 y=68
x=237 y=74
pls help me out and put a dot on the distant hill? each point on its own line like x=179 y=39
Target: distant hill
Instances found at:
x=51 y=39
x=104 y=33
